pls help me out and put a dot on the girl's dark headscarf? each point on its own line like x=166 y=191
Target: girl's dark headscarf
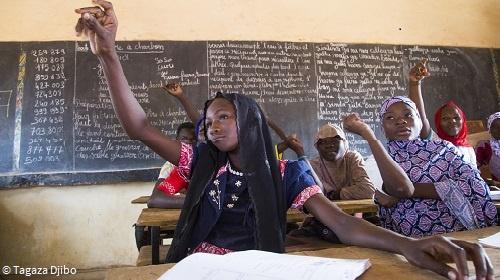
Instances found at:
x=261 y=170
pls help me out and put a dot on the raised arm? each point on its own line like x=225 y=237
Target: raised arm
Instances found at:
x=417 y=74
x=100 y=26
x=176 y=91
x=296 y=145
x=395 y=179
x=281 y=134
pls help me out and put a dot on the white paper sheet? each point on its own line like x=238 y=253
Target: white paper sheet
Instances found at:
x=261 y=265
x=491 y=241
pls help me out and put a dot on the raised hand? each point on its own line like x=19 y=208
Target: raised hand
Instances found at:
x=353 y=123
x=173 y=89
x=99 y=24
x=294 y=143
x=434 y=252
x=419 y=71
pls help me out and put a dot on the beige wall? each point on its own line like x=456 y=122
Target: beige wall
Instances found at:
x=80 y=226
x=445 y=22
x=90 y=226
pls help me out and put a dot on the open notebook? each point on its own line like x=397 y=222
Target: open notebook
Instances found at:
x=261 y=265
x=491 y=241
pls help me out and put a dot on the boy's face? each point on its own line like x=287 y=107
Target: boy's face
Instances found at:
x=331 y=148
x=186 y=135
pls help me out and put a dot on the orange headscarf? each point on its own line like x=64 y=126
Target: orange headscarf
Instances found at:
x=461 y=138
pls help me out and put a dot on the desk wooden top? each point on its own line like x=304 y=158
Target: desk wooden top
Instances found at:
x=360 y=205
x=384 y=265
x=141 y=200
x=357 y=206
x=168 y=217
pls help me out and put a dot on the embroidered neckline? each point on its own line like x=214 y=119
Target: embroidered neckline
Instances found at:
x=234 y=172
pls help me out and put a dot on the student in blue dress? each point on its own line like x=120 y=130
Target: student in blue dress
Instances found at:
x=238 y=192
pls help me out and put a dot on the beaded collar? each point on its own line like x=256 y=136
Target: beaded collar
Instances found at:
x=232 y=171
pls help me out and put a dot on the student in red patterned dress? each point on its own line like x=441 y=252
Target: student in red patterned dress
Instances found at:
x=170 y=181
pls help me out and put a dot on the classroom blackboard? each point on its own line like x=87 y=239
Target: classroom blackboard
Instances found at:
x=58 y=126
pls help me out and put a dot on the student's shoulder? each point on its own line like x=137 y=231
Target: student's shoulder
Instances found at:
x=353 y=155
x=445 y=148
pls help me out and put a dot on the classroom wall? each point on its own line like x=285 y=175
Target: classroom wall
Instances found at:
x=90 y=226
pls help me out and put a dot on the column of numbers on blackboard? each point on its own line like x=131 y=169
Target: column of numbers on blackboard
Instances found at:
x=46 y=142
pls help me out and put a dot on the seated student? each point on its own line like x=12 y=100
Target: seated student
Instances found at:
x=432 y=189
x=238 y=192
x=342 y=174
x=450 y=121
x=342 y=171
x=166 y=190
x=488 y=152
x=171 y=182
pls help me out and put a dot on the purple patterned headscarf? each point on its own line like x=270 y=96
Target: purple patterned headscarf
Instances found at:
x=495 y=144
x=492 y=118
x=395 y=99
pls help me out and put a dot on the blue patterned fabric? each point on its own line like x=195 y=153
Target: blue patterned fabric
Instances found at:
x=465 y=202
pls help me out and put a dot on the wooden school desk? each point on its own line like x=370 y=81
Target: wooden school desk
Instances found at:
x=384 y=265
x=348 y=206
x=154 y=218
x=141 y=200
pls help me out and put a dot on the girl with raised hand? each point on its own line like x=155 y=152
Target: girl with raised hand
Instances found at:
x=432 y=189
x=449 y=119
x=239 y=193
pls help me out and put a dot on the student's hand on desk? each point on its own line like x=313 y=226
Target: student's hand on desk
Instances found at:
x=434 y=252
x=385 y=200
x=173 y=89
x=99 y=26
x=419 y=71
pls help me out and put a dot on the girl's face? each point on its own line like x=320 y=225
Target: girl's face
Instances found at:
x=451 y=121
x=400 y=122
x=495 y=129
x=220 y=123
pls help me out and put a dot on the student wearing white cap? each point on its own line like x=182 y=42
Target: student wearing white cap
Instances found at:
x=342 y=171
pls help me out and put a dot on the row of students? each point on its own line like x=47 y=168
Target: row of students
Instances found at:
x=239 y=193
